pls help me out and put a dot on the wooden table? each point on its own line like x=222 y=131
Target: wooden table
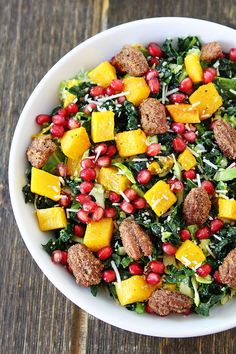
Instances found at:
x=35 y=317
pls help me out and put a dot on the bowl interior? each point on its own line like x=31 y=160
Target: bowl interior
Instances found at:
x=43 y=99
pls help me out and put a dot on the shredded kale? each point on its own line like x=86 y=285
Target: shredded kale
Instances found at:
x=127 y=117
x=81 y=90
x=95 y=288
x=204 y=307
x=28 y=195
x=166 y=140
x=43 y=202
x=187 y=43
x=227 y=68
x=63 y=242
x=73 y=184
x=175 y=275
x=227 y=243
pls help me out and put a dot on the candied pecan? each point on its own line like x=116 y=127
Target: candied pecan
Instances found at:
x=40 y=149
x=225 y=136
x=85 y=266
x=163 y=302
x=211 y=51
x=153 y=117
x=227 y=270
x=197 y=206
x=135 y=240
x=132 y=61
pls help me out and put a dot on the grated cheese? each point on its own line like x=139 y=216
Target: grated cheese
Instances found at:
x=210 y=251
x=217 y=237
x=209 y=163
x=168 y=93
x=108 y=98
x=163 y=97
x=198 y=180
x=143 y=159
x=116 y=271
x=221 y=191
x=196 y=104
x=193 y=152
x=124 y=196
x=232 y=91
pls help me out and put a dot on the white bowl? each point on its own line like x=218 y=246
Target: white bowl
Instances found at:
x=43 y=99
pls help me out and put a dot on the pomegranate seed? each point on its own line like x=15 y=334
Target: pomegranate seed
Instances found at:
x=65 y=200
x=203 y=233
x=105 y=253
x=90 y=206
x=177 y=186
x=153 y=61
x=121 y=99
x=151 y=74
x=69 y=270
x=114 y=197
x=42 y=118
x=61 y=170
x=59 y=120
x=86 y=187
x=154 y=50
x=79 y=230
x=89 y=108
x=216 y=225
x=128 y=208
x=136 y=268
x=153 y=149
x=139 y=203
x=103 y=161
x=110 y=212
x=190 y=174
x=190 y=136
x=152 y=278
x=232 y=54
x=114 y=62
x=88 y=174
x=117 y=85
x=100 y=149
x=154 y=85
x=186 y=85
x=111 y=150
x=209 y=187
x=156 y=267
x=83 y=198
x=64 y=258
x=98 y=214
x=187 y=312
x=213 y=123
x=184 y=234
x=171 y=180
x=131 y=194
x=144 y=176
x=57 y=131
x=56 y=256
x=148 y=309
x=62 y=112
x=97 y=91
x=110 y=91
x=178 y=144
x=204 y=270
x=209 y=75
x=72 y=108
x=169 y=249
x=87 y=163
x=178 y=128
x=109 y=275
x=83 y=216
x=177 y=98
x=73 y=124
x=216 y=276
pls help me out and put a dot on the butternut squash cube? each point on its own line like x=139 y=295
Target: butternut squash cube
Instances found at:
x=187 y=160
x=206 y=100
x=193 y=66
x=112 y=181
x=137 y=89
x=183 y=113
x=73 y=166
x=160 y=197
x=227 y=208
x=103 y=74
x=190 y=254
x=75 y=142
x=102 y=127
x=134 y=289
x=131 y=143
x=51 y=218
x=154 y=168
x=98 y=234
x=45 y=184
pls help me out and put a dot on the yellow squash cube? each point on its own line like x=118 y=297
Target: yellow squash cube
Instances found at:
x=45 y=184
x=154 y=168
x=190 y=254
x=112 y=181
x=160 y=198
x=103 y=74
x=70 y=97
x=73 y=166
x=137 y=89
x=207 y=100
x=183 y=113
x=134 y=289
x=227 y=208
x=187 y=160
x=51 y=218
x=102 y=127
x=132 y=142
x=98 y=234
x=75 y=142
x=193 y=66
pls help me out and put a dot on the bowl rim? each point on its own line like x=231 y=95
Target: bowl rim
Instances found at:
x=132 y=327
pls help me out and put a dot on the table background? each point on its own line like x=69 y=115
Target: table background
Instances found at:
x=34 y=316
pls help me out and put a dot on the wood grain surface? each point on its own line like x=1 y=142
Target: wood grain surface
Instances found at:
x=34 y=317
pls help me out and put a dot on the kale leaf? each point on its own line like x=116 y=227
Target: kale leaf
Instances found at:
x=227 y=243
x=127 y=117
x=175 y=275
x=28 y=195
x=204 y=307
x=63 y=242
x=187 y=43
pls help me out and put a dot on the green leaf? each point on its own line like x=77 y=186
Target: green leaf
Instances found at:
x=226 y=86
x=28 y=195
x=204 y=308
x=56 y=158
x=227 y=174
x=94 y=289
x=98 y=193
x=125 y=171
x=140 y=307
